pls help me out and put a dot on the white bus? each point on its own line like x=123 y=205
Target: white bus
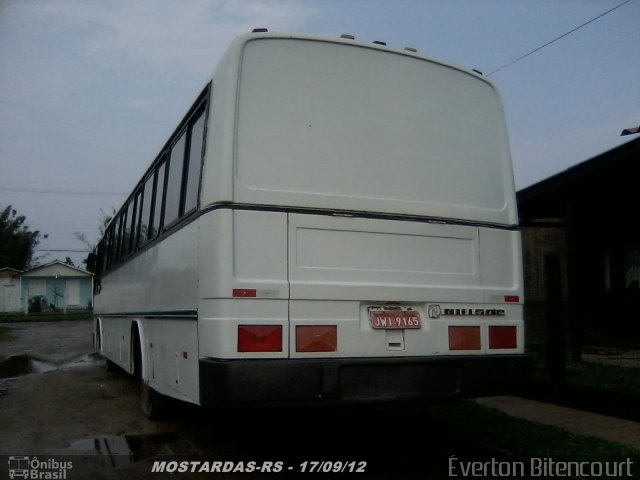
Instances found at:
x=332 y=221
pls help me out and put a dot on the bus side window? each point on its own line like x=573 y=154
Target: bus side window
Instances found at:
x=135 y=228
x=119 y=233
x=194 y=164
x=128 y=229
x=145 y=213
x=174 y=182
x=110 y=247
x=158 y=203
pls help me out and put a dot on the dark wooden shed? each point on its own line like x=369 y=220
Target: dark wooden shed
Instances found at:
x=582 y=226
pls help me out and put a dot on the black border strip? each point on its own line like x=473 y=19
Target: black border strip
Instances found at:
x=169 y=315
x=354 y=214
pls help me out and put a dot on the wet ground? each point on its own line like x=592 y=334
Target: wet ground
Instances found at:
x=60 y=402
x=51 y=341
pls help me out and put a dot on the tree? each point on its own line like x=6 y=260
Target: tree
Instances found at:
x=102 y=227
x=17 y=241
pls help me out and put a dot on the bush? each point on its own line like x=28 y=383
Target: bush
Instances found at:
x=35 y=304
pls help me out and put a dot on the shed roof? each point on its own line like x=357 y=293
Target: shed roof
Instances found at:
x=609 y=178
x=56 y=268
x=9 y=272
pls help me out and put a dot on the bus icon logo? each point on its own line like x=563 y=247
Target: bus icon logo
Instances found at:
x=434 y=311
x=18 y=467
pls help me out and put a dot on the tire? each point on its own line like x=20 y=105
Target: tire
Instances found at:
x=97 y=341
x=152 y=403
x=111 y=367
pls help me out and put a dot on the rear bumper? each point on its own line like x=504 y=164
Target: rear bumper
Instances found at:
x=337 y=380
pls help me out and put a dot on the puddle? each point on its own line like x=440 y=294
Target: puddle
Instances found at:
x=14 y=365
x=38 y=366
x=24 y=364
x=42 y=366
x=5 y=384
x=128 y=449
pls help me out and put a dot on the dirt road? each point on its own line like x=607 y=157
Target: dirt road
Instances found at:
x=70 y=397
x=68 y=401
x=55 y=341
x=78 y=411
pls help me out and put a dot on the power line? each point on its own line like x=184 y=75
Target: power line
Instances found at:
x=62 y=192
x=521 y=57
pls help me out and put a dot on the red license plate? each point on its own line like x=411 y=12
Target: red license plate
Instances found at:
x=394 y=319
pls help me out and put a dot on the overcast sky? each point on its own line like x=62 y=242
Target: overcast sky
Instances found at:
x=90 y=90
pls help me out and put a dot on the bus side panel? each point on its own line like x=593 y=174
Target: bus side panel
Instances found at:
x=243 y=250
x=115 y=340
x=158 y=290
x=160 y=280
x=243 y=279
x=170 y=352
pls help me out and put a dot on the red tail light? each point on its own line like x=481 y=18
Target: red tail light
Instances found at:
x=259 y=338
x=244 y=292
x=502 y=337
x=316 y=338
x=464 y=338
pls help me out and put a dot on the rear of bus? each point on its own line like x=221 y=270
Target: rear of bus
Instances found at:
x=368 y=247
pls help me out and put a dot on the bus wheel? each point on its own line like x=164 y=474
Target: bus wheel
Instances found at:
x=97 y=342
x=151 y=402
x=111 y=367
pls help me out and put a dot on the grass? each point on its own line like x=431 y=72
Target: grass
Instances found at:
x=611 y=378
x=605 y=377
x=520 y=437
x=46 y=317
x=5 y=334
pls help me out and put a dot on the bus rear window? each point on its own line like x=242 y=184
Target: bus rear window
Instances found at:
x=350 y=127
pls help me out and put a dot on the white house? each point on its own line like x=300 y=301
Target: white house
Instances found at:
x=10 y=290
x=59 y=285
